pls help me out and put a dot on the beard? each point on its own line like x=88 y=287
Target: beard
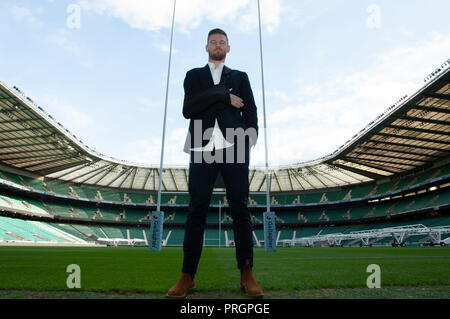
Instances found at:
x=217 y=55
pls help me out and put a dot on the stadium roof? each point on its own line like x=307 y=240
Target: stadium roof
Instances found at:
x=412 y=134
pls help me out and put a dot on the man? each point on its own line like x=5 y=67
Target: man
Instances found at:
x=218 y=100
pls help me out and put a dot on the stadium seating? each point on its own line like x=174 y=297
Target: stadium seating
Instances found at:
x=295 y=213
x=176 y=237
x=254 y=199
x=304 y=215
x=13 y=229
x=69 y=229
x=114 y=232
x=88 y=231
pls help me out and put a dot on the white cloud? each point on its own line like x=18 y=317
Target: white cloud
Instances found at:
x=61 y=39
x=307 y=12
x=147 y=104
x=145 y=101
x=148 y=150
x=88 y=65
x=165 y=48
x=322 y=116
x=270 y=15
x=25 y=14
x=154 y=15
x=71 y=117
x=325 y=115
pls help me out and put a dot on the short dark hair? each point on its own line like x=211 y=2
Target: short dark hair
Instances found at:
x=217 y=31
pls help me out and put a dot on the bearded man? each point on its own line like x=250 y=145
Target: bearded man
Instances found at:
x=218 y=100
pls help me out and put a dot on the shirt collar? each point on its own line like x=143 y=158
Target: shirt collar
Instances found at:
x=212 y=66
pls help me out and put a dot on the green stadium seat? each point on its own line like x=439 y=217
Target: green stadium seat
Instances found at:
x=114 y=232
x=176 y=237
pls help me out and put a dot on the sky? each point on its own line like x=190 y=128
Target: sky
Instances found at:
x=99 y=67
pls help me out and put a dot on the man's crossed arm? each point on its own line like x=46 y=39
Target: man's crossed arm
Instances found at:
x=198 y=102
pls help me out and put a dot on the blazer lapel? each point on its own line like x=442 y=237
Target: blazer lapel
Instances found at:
x=207 y=75
x=225 y=75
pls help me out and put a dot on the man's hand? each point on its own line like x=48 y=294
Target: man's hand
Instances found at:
x=236 y=101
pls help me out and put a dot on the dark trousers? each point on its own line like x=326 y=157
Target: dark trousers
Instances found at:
x=202 y=177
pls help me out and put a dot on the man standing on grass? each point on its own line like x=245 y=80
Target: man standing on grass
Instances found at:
x=217 y=100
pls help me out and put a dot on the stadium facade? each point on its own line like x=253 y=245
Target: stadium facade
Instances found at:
x=388 y=185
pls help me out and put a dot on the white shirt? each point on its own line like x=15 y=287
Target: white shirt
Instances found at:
x=216 y=73
x=217 y=140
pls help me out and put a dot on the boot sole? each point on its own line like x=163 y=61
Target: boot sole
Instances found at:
x=251 y=296
x=175 y=297
x=181 y=297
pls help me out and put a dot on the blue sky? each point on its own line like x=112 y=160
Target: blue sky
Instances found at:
x=331 y=67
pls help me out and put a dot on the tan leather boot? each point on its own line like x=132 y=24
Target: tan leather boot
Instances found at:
x=184 y=284
x=248 y=283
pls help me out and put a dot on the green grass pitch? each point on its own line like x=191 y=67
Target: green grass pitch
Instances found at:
x=126 y=272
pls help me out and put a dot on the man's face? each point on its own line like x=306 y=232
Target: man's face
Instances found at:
x=217 y=47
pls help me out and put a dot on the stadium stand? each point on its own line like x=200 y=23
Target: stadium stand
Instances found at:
x=394 y=173
x=14 y=230
x=359 y=192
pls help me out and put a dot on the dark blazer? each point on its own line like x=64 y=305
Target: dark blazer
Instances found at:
x=205 y=101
